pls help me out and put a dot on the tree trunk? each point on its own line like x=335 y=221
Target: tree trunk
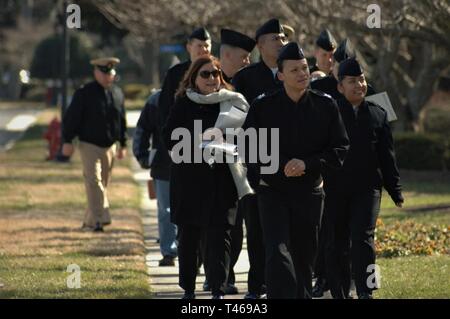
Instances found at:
x=151 y=58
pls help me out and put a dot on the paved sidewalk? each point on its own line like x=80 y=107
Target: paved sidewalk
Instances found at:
x=164 y=280
x=13 y=123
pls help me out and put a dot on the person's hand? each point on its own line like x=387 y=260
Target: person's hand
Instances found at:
x=121 y=153
x=67 y=149
x=295 y=168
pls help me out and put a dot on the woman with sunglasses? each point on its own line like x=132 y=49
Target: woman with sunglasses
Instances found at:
x=204 y=195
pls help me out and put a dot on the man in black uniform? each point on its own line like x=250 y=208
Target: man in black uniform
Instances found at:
x=259 y=78
x=253 y=81
x=325 y=47
x=235 y=49
x=96 y=116
x=311 y=134
x=329 y=83
x=198 y=45
x=355 y=190
x=329 y=86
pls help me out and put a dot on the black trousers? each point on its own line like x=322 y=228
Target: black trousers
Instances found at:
x=319 y=263
x=290 y=229
x=217 y=249
x=255 y=244
x=353 y=218
x=237 y=237
x=248 y=211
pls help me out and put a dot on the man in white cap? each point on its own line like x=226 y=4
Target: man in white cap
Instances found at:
x=96 y=116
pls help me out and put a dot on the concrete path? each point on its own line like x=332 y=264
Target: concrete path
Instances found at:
x=13 y=123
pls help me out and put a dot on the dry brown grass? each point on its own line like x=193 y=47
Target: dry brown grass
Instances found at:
x=41 y=209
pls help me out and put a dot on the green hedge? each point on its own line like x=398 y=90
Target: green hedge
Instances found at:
x=419 y=151
x=437 y=121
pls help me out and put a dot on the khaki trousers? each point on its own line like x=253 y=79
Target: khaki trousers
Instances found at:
x=97 y=167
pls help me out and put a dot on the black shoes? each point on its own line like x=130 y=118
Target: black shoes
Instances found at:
x=250 y=295
x=319 y=288
x=365 y=295
x=188 y=296
x=231 y=289
x=217 y=297
x=98 y=228
x=167 y=261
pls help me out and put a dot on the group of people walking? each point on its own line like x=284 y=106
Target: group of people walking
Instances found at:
x=314 y=216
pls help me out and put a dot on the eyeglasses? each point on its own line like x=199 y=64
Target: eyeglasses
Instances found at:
x=107 y=69
x=206 y=74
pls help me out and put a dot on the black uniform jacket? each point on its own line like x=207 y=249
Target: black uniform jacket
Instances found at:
x=310 y=130
x=370 y=162
x=94 y=120
x=171 y=83
x=148 y=128
x=255 y=80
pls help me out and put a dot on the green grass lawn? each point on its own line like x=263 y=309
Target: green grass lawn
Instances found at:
x=427 y=203
x=427 y=199
x=414 y=277
x=41 y=209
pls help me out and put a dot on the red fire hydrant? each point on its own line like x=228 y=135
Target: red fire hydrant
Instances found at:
x=53 y=136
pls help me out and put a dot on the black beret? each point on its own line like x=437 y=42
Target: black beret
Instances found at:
x=237 y=39
x=291 y=51
x=344 y=51
x=201 y=34
x=326 y=41
x=349 y=67
x=271 y=26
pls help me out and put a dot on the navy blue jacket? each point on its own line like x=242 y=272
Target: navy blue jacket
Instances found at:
x=149 y=128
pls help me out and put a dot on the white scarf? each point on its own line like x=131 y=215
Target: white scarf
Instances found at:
x=228 y=119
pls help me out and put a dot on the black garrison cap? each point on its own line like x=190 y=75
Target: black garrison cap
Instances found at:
x=291 y=51
x=326 y=41
x=271 y=26
x=349 y=67
x=237 y=39
x=344 y=51
x=201 y=34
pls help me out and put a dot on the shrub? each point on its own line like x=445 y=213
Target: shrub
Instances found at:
x=437 y=121
x=419 y=151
